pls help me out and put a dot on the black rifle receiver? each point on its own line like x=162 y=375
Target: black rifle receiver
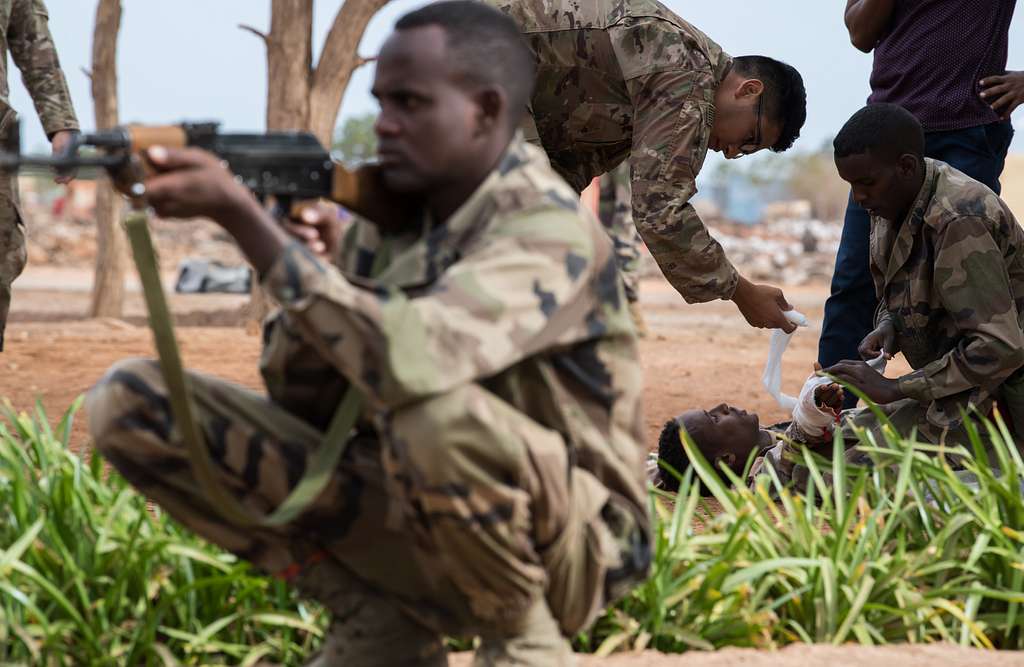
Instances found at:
x=284 y=166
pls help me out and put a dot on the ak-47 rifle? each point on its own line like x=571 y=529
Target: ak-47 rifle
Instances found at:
x=287 y=167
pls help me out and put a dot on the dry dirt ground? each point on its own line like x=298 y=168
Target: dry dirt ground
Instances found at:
x=695 y=356
x=802 y=655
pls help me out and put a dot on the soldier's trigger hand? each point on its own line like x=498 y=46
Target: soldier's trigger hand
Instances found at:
x=318 y=224
x=763 y=306
x=189 y=183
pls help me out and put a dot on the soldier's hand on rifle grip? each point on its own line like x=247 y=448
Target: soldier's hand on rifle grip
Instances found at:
x=319 y=225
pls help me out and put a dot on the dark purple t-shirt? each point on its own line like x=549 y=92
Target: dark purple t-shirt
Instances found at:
x=935 y=53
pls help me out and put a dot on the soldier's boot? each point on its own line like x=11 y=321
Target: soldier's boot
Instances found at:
x=536 y=642
x=367 y=628
x=638 y=319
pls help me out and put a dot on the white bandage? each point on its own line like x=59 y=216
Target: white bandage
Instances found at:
x=772 y=376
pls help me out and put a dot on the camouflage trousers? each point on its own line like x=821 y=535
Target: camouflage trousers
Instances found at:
x=13 y=255
x=464 y=518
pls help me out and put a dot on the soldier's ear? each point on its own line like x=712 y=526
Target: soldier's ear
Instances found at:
x=750 y=89
x=492 y=104
x=908 y=165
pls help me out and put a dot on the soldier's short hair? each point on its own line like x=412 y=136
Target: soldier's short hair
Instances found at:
x=785 y=98
x=883 y=129
x=670 y=450
x=484 y=45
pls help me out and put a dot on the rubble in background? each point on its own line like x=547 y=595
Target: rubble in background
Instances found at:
x=72 y=243
x=788 y=248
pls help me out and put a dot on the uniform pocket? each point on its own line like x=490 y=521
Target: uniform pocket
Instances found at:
x=599 y=123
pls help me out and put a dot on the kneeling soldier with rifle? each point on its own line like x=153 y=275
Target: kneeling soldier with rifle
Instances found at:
x=492 y=484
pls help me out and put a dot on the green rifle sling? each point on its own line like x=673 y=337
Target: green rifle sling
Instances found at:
x=322 y=462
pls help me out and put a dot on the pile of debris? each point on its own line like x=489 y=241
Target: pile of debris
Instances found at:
x=788 y=248
x=786 y=252
x=67 y=242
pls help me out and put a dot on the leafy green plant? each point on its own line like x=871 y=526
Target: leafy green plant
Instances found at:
x=90 y=576
x=909 y=549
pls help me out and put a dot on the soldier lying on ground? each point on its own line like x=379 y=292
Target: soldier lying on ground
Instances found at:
x=630 y=81
x=947 y=257
x=494 y=485
x=726 y=435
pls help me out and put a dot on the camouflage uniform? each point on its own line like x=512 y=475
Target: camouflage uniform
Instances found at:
x=629 y=80
x=950 y=277
x=496 y=477
x=25 y=34
x=615 y=211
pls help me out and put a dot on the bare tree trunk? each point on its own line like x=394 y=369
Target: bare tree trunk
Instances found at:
x=289 y=66
x=112 y=246
x=299 y=97
x=339 y=58
x=289 y=63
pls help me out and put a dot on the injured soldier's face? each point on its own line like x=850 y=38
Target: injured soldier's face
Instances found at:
x=723 y=433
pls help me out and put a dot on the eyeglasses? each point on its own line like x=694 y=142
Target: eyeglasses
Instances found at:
x=749 y=149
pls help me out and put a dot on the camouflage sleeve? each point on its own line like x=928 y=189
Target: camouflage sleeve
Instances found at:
x=510 y=296
x=615 y=211
x=670 y=140
x=882 y=314
x=34 y=53
x=974 y=288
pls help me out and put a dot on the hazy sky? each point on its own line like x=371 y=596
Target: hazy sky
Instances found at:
x=187 y=59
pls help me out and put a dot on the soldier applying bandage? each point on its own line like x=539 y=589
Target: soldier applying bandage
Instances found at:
x=630 y=81
x=493 y=485
x=947 y=257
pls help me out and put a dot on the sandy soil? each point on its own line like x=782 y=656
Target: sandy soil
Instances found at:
x=801 y=655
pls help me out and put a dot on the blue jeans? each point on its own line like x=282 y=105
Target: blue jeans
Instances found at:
x=979 y=152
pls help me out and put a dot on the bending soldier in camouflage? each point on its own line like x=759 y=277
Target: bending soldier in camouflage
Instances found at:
x=25 y=34
x=615 y=210
x=494 y=486
x=947 y=256
x=628 y=80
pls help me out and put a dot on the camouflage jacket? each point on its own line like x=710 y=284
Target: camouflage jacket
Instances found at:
x=628 y=79
x=517 y=291
x=26 y=35
x=951 y=280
